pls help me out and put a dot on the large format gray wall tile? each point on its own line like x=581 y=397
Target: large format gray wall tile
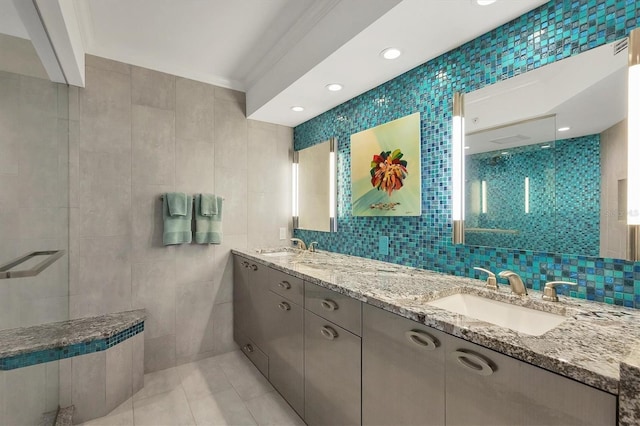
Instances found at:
x=143 y=133
x=105 y=112
x=153 y=145
x=89 y=386
x=153 y=88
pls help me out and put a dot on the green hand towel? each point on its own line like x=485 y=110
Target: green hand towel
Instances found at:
x=209 y=228
x=177 y=203
x=208 y=205
x=177 y=229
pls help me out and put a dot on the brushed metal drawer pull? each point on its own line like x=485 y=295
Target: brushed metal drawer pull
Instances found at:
x=329 y=304
x=328 y=332
x=474 y=363
x=422 y=339
x=248 y=348
x=284 y=306
x=245 y=264
x=254 y=267
x=285 y=285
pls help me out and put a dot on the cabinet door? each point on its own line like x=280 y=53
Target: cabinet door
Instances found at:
x=332 y=373
x=484 y=387
x=402 y=371
x=241 y=299
x=285 y=345
x=257 y=330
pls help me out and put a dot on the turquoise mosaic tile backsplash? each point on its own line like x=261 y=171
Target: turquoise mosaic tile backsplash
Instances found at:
x=556 y=30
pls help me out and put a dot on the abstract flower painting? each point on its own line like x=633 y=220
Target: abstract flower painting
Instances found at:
x=385 y=169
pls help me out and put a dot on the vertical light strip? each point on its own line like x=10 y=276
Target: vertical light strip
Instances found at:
x=633 y=148
x=332 y=185
x=457 y=169
x=483 y=196
x=526 y=194
x=633 y=141
x=294 y=189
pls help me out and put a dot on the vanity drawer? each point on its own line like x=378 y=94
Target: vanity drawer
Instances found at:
x=287 y=286
x=253 y=352
x=335 y=307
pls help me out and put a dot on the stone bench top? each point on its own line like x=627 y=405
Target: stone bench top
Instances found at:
x=25 y=340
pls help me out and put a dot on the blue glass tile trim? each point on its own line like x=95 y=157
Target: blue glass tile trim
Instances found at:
x=55 y=354
x=554 y=31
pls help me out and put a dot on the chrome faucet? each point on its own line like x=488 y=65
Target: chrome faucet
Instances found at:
x=301 y=244
x=517 y=286
x=312 y=246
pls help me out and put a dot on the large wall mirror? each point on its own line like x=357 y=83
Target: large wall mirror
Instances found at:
x=545 y=158
x=314 y=188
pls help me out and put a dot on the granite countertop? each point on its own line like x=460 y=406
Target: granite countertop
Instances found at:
x=17 y=341
x=588 y=347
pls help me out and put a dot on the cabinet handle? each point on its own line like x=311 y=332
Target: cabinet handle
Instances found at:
x=248 y=348
x=422 y=339
x=285 y=285
x=254 y=267
x=329 y=304
x=473 y=362
x=245 y=264
x=284 y=306
x=328 y=332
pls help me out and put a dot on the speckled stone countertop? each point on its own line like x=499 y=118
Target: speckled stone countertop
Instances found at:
x=589 y=346
x=17 y=341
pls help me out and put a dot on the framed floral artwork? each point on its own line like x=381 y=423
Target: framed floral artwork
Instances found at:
x=385 y=169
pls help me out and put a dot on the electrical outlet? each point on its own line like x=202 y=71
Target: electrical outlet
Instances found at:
x=283 y=233
x=383 y=245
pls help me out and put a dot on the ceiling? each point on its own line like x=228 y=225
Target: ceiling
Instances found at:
x=280 y=52
x=10 y=22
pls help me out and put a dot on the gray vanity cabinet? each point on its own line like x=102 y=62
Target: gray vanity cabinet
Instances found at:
x=250 y=284
x=285 y=346
x=402 y=371
x=484 y=387
x=332 y=373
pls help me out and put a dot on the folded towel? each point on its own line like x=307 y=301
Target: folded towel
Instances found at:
x=177 y=229
x=177 y=203
x=208 y=205
x=209 y=228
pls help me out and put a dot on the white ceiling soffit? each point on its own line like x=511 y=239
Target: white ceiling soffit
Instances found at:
x=10 y=22
x=422 y=29
x=221 y=42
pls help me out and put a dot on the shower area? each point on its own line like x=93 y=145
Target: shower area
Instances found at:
x=34 y=218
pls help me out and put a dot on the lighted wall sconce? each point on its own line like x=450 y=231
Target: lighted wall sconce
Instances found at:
x=294 y=189
x=333 y=223
x=457 y=169
x=526 y=194
x=633 y=147
x=484 y=197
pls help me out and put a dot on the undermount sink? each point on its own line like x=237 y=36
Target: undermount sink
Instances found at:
x=514 y=317
x=279 y=254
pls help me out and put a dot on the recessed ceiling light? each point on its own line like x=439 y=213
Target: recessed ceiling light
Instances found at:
x=563 y=129
x=297 y=108
x=485 y=2
x=390 y=53
x=334 y=87
x=545 y=146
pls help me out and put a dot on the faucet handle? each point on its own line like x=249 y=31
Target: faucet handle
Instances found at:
x=549 y=293
x=312 y=246
x=491 y=279
x=300 y=243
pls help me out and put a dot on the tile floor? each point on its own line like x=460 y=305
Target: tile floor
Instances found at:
x=223 y=390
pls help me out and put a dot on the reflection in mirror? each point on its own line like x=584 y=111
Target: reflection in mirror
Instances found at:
x=316 y=187
x=546 y=158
